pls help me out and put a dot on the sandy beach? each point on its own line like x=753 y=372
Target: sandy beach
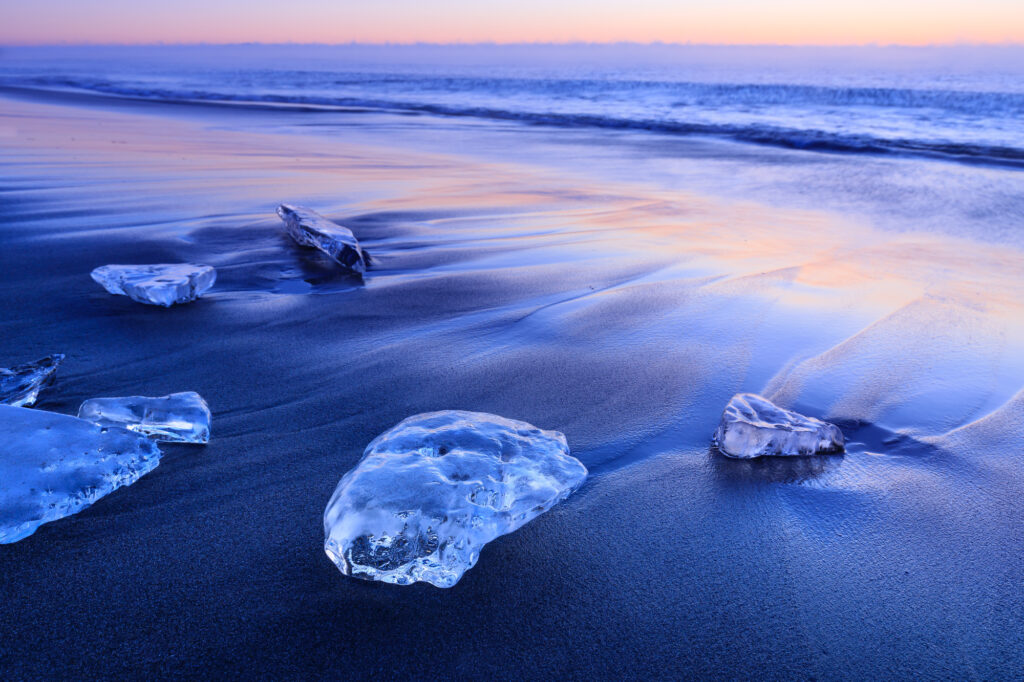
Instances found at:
x=563 y=287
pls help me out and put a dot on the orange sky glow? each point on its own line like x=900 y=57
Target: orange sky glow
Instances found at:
x=793 y=22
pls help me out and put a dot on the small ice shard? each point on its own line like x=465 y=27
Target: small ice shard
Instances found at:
x=161 y=284
x=429 y=493
x=20 y=385
x=752 y=426
x=309 y=228
x=176 y=418
x=53 y=465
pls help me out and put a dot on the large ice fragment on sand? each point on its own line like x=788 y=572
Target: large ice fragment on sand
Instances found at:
x=433 y=490
x=309 y=228
x=53 y=465
x=20 y=385
x=175 y=418
x=161 y=284
x=752 y=426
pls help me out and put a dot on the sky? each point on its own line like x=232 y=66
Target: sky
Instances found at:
x=789 y=22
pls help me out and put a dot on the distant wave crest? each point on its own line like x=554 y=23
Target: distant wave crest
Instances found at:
x=777 y=136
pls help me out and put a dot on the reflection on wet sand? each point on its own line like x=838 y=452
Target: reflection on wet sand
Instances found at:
x=911 y=331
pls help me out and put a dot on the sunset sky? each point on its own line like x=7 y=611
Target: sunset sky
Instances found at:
x=803 y=22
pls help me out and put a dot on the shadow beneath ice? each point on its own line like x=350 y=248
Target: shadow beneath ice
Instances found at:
x=321 y=272
x=268 y=261
x=773 y=469
x=864 y=442
x=873 y=439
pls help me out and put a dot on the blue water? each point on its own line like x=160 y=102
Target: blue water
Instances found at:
x=953 y=104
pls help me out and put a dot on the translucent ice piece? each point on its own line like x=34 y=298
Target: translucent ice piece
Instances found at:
x=162 y=284
x=309 y=228
x=53 y=465
x=429 y=493
x=20 y=385
x=176 y=418
x=752 y=426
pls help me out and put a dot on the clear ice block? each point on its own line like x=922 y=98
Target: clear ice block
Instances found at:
x=176 y=418
x=311 y=229
x=161 y=284
x=753 y=426
x=20 y=385
x=53 y=465
x=429 y=493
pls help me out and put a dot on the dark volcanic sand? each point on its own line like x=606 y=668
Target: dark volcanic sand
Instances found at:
x=624 y=315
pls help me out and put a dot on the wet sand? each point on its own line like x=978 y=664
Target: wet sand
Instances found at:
x=624 y=314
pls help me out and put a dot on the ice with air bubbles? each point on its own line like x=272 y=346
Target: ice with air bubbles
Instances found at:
x=175 y=418
x=753 y=426
x=53 y=465
x=163 y=284
x=429 y=493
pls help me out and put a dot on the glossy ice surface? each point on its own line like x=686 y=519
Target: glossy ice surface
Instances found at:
x=429 y=493
x=53 y=465
x=20 y=385
x=753 y=426
x=162 y=284
x=176 y=418
x=311 y=229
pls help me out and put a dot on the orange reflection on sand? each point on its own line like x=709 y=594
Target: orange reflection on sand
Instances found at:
x=808 y=258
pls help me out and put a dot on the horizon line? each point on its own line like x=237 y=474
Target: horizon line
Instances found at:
x=487 y=43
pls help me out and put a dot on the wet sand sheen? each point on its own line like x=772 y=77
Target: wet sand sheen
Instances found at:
x=623 y=314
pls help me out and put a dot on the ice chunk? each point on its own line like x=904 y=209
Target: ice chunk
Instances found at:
x=429 y=493
x=20 y=385
x=309 y=228
x=53 y=465
x=752 y=426
x=176 y=418
x=161 y=284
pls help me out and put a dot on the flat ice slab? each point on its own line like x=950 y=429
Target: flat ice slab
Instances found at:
x=20 y=385
x=429 y=493
x=53 y=465
x=753 y=426
x=176 y=418
x=161 y=284
x=309 y=228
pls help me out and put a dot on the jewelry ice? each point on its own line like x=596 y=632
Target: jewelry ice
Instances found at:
x=53 y=465
x=175 y=418
x=20 y=385
x=429 y=493
x=753 y=426
x=311 y=229
x=161 y=284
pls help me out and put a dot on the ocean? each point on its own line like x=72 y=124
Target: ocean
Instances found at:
x=783 y=97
